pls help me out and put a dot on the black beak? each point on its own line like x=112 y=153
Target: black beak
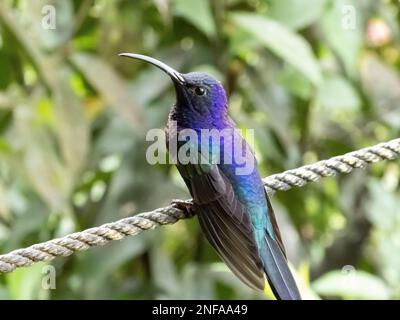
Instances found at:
x=175 y=75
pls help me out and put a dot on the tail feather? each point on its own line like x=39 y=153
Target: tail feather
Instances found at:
x=278 y=273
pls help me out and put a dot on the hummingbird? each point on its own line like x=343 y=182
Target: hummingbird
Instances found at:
x=232 y=206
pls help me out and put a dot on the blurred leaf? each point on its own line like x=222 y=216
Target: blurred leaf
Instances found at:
x=35 y=12
x=164 y=274
x=196 y=283
x=198 y=13
x=273 y=104
x=4 y=293
x=341 y=26
x=353 y=285
x=44 y=169
x=296 y=14
x=28 y=42
x=110 y=86
x=30 y=220
x=5 y=147
x=382 y=85
x=294 y=81
x=336 y=94
x=383 y=213
x=164 y=9
x=383 y=208
x=221 y=273
x=283 y=42
x=25 y=283
x=96 y=270
x=72 y=127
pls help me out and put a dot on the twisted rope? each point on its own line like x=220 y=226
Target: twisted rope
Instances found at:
x=134 y=225
x=341 y=164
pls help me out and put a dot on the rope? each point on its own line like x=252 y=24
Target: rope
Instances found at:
x=134 y=225
x=341 y=164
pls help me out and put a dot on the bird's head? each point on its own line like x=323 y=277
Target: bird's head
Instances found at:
x=200 y=96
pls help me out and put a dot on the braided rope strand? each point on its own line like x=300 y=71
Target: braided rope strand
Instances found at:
x=341 y=164
x=97 y=236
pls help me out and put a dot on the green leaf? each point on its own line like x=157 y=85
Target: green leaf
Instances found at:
x=38 y=13
x=296 y=14
x=28 y=43
x=5 y=147
x=164 y=273
x=110 y=86
x=70 y=121
x=196 y=282
x=342 y=29
x=97 y=271
x=41 y=164
x=381 y=83
x=291 y=47
x=295 y=82
x=198 y=13
x=25 y=283
x=351 y=285
x=383 y=200
x=337 y=94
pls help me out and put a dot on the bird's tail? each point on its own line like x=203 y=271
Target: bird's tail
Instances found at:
x=277 y=270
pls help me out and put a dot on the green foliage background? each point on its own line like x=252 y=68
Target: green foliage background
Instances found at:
x=312 y=82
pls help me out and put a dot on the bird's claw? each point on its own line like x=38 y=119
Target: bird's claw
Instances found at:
x=185 y=205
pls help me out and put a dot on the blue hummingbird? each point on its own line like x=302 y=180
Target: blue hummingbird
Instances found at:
x=232 y=207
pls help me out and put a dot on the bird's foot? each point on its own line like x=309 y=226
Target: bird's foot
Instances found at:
x=186 y=206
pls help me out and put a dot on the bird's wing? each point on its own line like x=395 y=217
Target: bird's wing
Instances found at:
x=275 y=227
x=224 y=221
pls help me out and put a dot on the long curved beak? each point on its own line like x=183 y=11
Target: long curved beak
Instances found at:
x=175 y=75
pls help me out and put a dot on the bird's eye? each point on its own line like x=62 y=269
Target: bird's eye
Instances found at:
x=200 y=91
